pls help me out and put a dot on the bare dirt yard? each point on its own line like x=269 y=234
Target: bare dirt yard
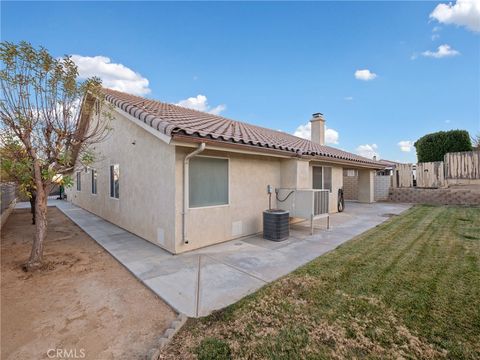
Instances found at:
x=83 y=300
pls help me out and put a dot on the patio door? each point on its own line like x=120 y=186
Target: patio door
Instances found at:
x=322 y=177
x=317 y=181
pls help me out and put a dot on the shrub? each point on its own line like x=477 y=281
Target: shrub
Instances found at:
x=433 y=147
x=213 y=349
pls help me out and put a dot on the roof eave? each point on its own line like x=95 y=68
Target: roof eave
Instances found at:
x=179 y=138
x=270 y=151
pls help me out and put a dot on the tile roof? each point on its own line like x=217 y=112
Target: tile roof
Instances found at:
x=174 y=120
x=388 y=163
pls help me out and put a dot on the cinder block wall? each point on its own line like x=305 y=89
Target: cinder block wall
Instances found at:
x=451 y=196
x=382 y=186
x=350 y=187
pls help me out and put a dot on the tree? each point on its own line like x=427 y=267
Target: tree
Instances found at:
x=476 y=142
x=17 y=167
x=433 y=147
x=54 y=116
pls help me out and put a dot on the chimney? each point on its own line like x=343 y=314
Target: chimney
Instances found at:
x=317 y=131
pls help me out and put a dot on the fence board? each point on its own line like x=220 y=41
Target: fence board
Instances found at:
x=462 y=165
x=404 y=175
x=430 y=174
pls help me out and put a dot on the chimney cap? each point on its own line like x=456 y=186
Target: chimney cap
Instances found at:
x=317 y=116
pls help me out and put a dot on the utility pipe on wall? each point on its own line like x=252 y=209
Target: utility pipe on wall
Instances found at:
x=186 y=161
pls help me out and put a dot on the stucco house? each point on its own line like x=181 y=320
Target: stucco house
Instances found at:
x=184 y=179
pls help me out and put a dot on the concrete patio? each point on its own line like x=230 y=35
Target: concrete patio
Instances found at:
x=198 y=282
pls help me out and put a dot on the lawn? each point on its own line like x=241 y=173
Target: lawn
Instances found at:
x=408 y=288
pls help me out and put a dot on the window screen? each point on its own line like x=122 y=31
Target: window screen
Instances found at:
x=94 y=181
x=79 y=181
x=115 y=181
x=208 y=182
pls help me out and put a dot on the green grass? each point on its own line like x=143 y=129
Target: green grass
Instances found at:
x=408 y=288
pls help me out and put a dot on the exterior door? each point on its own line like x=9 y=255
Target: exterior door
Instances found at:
x=317 y=181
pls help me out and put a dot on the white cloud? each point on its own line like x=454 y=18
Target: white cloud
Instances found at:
x=331 y=136
x=463 y=13
x=365 y=75
x=348 y=98
x=405 y=145
x=436 y=29
x=448 y=121
x=442 y=51
x=368 y=151
x=114 y=76
x=200 y=103
x=304 y=131
x=435 y=37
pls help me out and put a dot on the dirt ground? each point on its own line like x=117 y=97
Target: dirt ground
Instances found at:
x=83 y=301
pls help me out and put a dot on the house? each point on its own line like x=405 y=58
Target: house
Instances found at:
x=382 y=182
x=184 y=179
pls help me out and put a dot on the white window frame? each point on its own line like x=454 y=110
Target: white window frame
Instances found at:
x=110 y=181
x=92 y=170
x=323 y=176
x=78 y=180
x=228 y=184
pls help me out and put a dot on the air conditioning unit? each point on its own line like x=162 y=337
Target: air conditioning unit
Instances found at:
x=309 y=204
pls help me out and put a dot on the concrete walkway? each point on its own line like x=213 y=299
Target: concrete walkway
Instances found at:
x=198 y=282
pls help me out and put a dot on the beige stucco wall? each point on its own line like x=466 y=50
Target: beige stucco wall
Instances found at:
x=366 y=185
x=295 y=174
x=248 y=179
x=147 y=182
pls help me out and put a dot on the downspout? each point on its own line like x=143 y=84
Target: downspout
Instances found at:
x=186 y=161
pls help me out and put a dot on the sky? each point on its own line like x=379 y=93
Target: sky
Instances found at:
x=383 y=73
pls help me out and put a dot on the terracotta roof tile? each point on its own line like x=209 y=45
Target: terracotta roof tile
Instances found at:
x=172 y=119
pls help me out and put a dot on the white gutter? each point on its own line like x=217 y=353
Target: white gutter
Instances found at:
x=186 y=161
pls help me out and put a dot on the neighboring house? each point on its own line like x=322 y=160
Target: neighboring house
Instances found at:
x=185 y=179
x=389 y=167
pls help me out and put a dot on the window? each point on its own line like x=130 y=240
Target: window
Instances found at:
x=322 y=177
x=94 y=181
x=350 y=172
x=79 y=180
x=115 y=181
x=208 y=182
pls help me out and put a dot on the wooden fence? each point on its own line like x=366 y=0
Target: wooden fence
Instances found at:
x=403 y=175
x=462 y=165
x=430 y=174
x=456 y=166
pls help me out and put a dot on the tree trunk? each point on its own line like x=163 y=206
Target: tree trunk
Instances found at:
x=32 y=206
x=36 y=256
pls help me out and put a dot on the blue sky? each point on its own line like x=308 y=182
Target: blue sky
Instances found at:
x=276 y=63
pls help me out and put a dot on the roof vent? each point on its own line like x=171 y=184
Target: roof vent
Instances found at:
x=317 y=115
